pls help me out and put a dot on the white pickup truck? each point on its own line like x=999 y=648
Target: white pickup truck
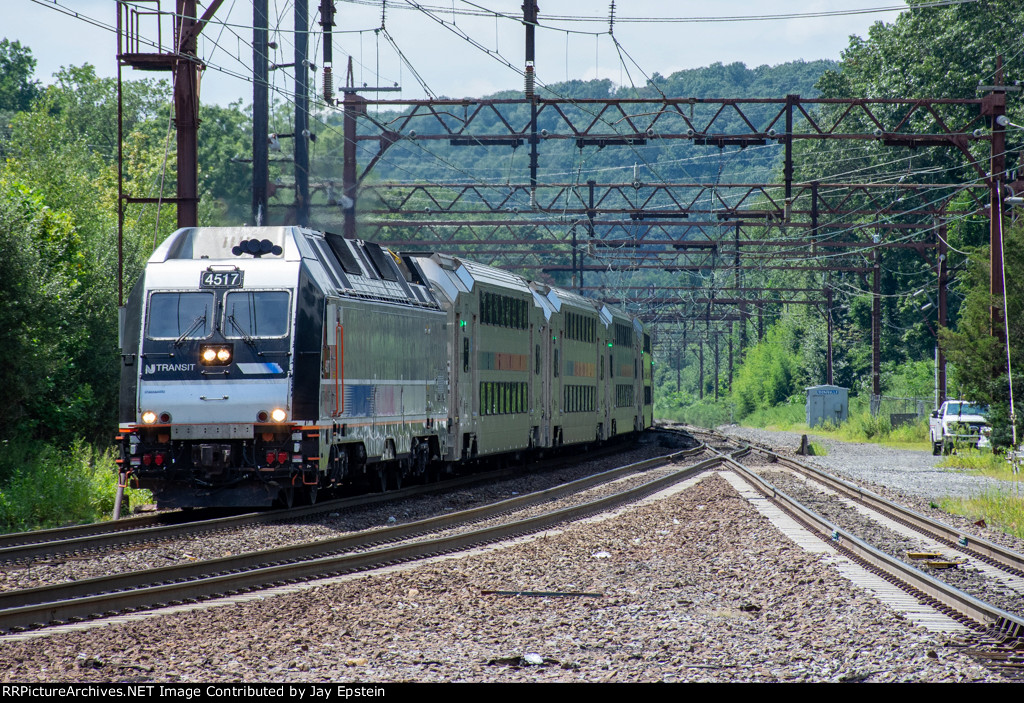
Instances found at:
x=959 y=423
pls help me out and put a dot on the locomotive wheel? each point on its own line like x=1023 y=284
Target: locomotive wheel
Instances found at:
x=287 y=496
x=421 y=462
x=338 y=463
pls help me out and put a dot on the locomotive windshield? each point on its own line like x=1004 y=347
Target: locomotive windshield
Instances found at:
x=180 y=315
x=251 y=314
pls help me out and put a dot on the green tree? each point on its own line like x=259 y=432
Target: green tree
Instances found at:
x=768 y=373
x=17 y=88
x=927 y=52
x=978 y=359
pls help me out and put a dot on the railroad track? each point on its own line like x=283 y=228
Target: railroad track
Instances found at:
x=1000 y=633
x=70 y=602
x=93 y=538
x=35 y=608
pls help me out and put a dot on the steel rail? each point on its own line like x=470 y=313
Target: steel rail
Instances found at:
x=951 y=536
x=62 y=602
x=964 y=604
x=25 y=546
x=58 y=534
x=291 y=553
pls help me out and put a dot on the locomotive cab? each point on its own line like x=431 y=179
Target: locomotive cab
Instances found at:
x=208 y=369
x=264 y=363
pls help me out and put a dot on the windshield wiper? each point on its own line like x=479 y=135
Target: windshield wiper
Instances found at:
x=191 y=328
x=241 y=332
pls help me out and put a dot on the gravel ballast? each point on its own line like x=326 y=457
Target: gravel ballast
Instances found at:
x=911 y=478
x=913 y=473
x=696 y=586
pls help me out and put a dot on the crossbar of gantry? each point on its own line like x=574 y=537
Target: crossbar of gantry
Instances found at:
x=649 y=201
x=703 y=120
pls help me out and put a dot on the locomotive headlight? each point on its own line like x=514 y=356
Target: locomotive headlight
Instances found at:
x=278 y=415
x=149 y=417
x=215 y=354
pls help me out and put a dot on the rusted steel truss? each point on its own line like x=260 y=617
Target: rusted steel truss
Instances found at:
x=710 y=233
x=707 y=121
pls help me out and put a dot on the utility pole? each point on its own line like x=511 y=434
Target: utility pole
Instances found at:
x=731 y=334
x=353 y=106
x=186 y=111
x=700 y=347
x=787 y=168
x=994 y=106
x=301 y=146
x=738 y=282
x=530 y=10
x=943 y=276
x=828 y=321
x=260 y=112
x=679 y=368
x=876 y=319
x=717 y=373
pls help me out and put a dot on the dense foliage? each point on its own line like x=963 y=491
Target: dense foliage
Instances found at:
x=59 y=268
x=978 y=357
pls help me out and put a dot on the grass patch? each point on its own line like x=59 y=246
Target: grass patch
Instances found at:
x=862 y=427
x=817 y=449
x=984 y=463
x=792 y=417
x=1001 y=509
x=703 y=413
x=52 y=487
x=859 y=427
x=788 y=417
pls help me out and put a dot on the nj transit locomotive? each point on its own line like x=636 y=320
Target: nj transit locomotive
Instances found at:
x=262 y=364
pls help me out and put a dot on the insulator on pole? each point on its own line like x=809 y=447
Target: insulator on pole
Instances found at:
x=528 y=79
x=328 y=85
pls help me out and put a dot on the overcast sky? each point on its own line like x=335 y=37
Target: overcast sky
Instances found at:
x=436 y=38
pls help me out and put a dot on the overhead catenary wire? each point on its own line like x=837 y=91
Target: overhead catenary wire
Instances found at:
x=419 y=146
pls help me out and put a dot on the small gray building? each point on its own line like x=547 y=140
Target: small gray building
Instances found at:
x=827 y=404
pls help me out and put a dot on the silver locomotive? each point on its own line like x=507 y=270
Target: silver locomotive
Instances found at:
x=265 y=364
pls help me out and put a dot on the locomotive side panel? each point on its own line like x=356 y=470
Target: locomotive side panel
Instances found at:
x=309 y=315
x=131 y=333
x=383 y=382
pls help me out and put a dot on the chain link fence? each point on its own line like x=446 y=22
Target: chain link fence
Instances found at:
x=901 y=411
